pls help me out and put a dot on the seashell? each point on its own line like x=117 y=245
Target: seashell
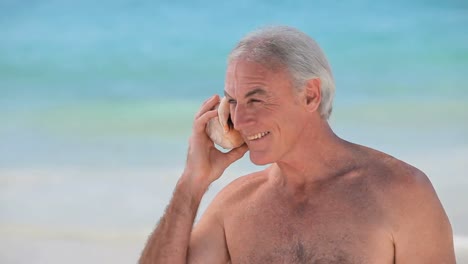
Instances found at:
x=221 y=130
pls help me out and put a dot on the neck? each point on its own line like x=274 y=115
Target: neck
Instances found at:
x=313 y=159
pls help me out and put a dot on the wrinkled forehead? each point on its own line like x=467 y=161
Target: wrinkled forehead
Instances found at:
x=247 y=67
x=244 y=75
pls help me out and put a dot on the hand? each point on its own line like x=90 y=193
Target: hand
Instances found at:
x=205 y=163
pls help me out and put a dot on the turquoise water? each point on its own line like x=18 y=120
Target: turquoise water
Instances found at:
x=65 y=51
x=121 y=68
x=97 y=98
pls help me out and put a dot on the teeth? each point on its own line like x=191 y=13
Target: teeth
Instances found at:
x=257 y=136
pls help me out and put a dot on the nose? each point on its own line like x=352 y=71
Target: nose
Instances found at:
x=241 y=117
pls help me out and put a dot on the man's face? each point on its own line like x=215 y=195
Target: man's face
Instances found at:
x=265 y=109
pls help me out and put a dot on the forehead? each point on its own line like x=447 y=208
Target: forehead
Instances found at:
x=243 y=76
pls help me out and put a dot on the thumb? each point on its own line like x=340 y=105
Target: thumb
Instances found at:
x=237 y=153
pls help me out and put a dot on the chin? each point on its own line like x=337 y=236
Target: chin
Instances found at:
x=260 y=159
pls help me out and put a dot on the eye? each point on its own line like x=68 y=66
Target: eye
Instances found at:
x=232 y=101
x=254 y=101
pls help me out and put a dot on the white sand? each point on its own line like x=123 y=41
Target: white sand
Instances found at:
x=57 y=251
x=104 y=215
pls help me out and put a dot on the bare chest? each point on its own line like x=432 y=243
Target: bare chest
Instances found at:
x=334 y=229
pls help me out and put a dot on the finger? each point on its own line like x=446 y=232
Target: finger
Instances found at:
x=209 y=104
x=200 y=123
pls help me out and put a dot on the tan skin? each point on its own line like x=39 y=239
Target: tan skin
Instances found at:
x=322 y=199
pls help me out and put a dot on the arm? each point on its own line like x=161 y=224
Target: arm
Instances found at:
x=169 y=243
x=208 y=241
x=424 y=234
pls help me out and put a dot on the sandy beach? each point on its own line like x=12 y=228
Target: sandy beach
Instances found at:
x=107 y=222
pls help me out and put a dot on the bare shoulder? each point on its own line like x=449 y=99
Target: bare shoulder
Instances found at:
x=414 y=210
x=240 y=190
x=399 y=186
x=408 y=191
x=394 y=175
x=208 y=240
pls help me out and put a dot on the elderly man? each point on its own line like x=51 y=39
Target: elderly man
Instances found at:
x=322 y=199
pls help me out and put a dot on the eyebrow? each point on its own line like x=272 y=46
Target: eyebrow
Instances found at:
x=255 y=91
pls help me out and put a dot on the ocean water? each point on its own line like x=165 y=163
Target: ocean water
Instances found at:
x=97 y=100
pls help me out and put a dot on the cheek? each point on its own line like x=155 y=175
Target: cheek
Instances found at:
x=268 y=110
x=291 y=122
x=274 y=114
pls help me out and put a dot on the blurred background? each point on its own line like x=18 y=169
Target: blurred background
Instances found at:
x=97 y=100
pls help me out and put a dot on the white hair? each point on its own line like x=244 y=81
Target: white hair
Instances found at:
x=290 y=48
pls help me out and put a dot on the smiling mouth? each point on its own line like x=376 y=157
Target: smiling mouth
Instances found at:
x=258 y=136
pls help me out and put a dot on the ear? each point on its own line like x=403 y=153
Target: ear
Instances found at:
x=313 y=94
